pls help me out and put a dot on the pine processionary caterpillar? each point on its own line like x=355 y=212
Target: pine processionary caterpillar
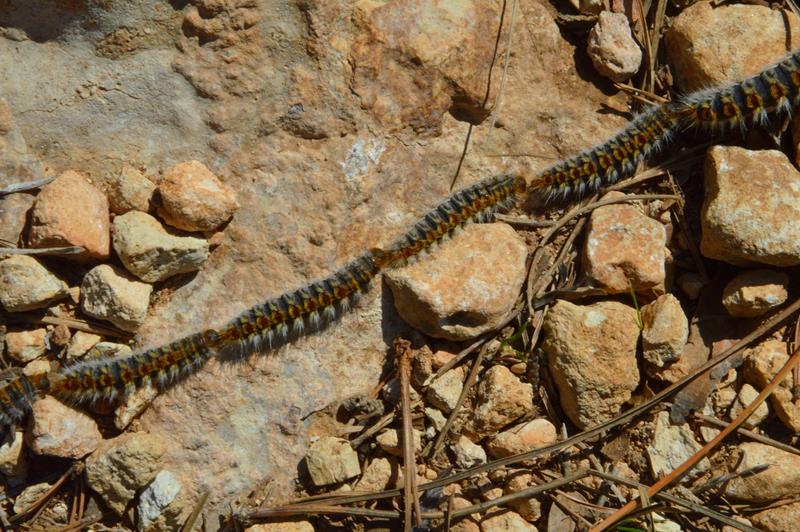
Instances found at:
x=303 y=311
x=772 y=93
x=474 y=204
x=611 y=161
x=17 y=395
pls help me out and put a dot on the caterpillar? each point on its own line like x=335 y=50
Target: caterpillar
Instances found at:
x=772 y=93
x=303 y=311
x=474 y=204
x=17 y=395
x=611 y=161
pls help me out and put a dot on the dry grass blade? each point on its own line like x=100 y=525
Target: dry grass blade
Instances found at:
x=403 y=353
x=27 y=185
x=749 y=434
x=79 y=325
x=66 y=250
x=188 y=525
x=39 y=503
x=681 y=470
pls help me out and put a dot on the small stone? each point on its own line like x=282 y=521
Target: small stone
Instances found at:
x=624 y=248
x=109 y=294
x=468 y=454
x=755 y=293
x=123 y=465
x=505 y=521
x=765 y=229
x=194 y=199
x=289 y=526
x=529 y=509
x=389 y=441
x=781 y=479
x=746 y=396
x=783 y=518
x=391 y=392
x=380 y=474
x=14 y=215
x=468 y=288
x=331 y=460
x=130 y=190
x=591 y=352
x=26 y=285
x=665 y=331
x=80 y=343
x=26 y=345
x=443 y=393
x=671 y=446
x=155 y=499
x=13 y=465
x=57 y=430
x=70 y=211
x=152 y=254
x=436 y=418
x=109 y=349
x=60 y=336
x=761 y=365
x=611 y=46
x=440 y=358
x=501 y=399
x=702 y=58
x=36 y=367
x=30 y=495
x=133 y=405
x=522 y=438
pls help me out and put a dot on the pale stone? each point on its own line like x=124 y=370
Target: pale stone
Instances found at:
x=122 y=466
x=763 y=229
x=467 y=454
x=13 y=464
x=57 y=430
x=522 y=438
x=781 y=479
x=194 y=199
x=30 y=495
x=746 y=396
x=331 y=460
x=70 y=211
x=591 y=352
x=671 y=446
x=26 y=285
x=761 y=365
x=443 y=393
x=624 y=248
x=755 y=293
x=783 y=518
x=702 y=58
x=501 y=399
x=133 y=405
x=468 y=287
x=36 y=367
x=80 y=343
x=109 y=294
x=25 y=346
x=156 y=498
x=505 y=521
x=529 y=509
x=665 y=330
x=152 y=254
x=389 y=441
x=289 y=526
x=129 y=190
x=612 y=48
x=380 y=474
x=436 y=418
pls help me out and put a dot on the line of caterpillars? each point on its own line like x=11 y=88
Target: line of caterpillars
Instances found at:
x=768 y=96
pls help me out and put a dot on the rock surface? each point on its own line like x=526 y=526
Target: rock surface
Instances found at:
x=750 y=211
x=781 y=479
x=591 y=352
x=194 y=199
x=754 y=293
x=744 y=39
x=526 y=437
x=121 y=466
x=501 y=399
x=156 y=498
x=624 y=248
x=13 y=464
x=671 y=446
x=468 y=454
x=109 y=294
x=152 y=254
x=57 y=430
x=613 y=50
x=443 y=393
x=390 y=441
x=761 y=365
x=506 y=520
x=665 y=330
x=468 y=288
x=331 y=460
x=71 y=211
x=380 y=474
x=26 y=285
x=14 y=210
x=746 y=396
x=783 y=518
x=25 y=346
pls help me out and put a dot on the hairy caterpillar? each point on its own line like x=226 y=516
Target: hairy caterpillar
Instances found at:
x=772 y=93
x=474 y=204
x=611 y=161
x=108 y=377
x=18 y=394
x=303 y=311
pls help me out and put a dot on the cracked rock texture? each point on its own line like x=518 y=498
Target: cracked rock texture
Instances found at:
x=335 y=125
